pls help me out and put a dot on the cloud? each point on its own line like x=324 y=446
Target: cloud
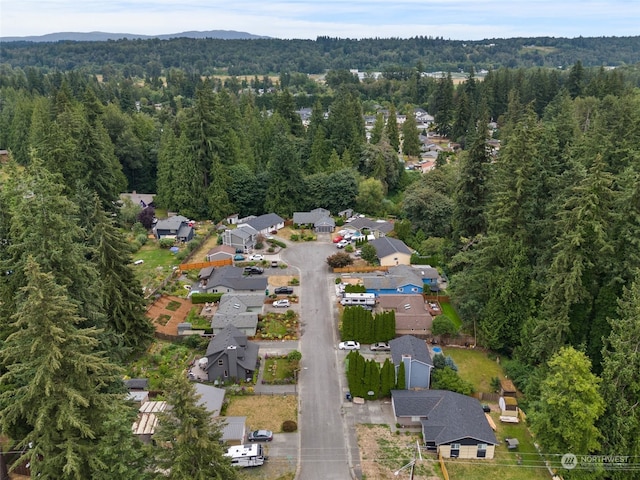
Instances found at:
x=455 y=19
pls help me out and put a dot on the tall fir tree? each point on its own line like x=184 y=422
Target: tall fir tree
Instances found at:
x=188 y=440
x=59 y=390
x=391 y=129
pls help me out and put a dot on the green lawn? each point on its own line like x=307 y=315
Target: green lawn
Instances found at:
x=277 y=369
x=158 y=264
x=505 y=462
x=449 y=311
x=475 y=366
x=162 y=360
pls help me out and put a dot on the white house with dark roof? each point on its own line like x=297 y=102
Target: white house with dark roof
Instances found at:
x=230 y=279
x=391 y=251
x=414 y=354
x=264 y=224
x=453 y=425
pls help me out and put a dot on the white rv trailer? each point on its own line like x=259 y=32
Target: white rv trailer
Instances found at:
x=358 y=299
x=251 y=455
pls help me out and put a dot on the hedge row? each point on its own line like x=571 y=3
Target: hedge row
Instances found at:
x=205 y=297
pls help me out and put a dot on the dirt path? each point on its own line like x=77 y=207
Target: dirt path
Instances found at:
x=158 y=314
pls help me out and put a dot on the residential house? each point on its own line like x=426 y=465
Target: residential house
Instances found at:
x=319 y=219
x=143 y=199
x=221 y=252
x=414 y=354
x=398 y=280
x=347 y=213
x=453 y=425
x=230 y=279
x=264 y=224
x=428 y=274
x=412 y=316
x=176 y=227
x=138 y=390
x=239 y=310
x=231 y=356
x=391 y=251
x=242 y=239
x=377 y=228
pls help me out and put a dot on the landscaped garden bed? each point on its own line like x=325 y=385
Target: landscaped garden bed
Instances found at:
x=281 y=369
x=278 y=326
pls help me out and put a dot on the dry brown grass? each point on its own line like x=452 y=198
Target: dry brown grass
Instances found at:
x=265 y=411
x=280 y=280
x=383 y=452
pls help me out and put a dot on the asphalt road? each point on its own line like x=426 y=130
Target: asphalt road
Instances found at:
x=325 y=448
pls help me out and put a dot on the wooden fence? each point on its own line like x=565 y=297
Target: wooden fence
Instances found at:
x=199 y=265
x=443 y=467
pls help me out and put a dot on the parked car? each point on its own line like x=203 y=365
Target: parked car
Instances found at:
x=253 y=271
x=349 y=345
x=337 y=239
x=256 y=257
x=238 y=257
x=260 y=436
x=284 y=303
x=283 y=290
x=380 y=347
x=342 y=244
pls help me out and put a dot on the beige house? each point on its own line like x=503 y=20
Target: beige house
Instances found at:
x=391 y=251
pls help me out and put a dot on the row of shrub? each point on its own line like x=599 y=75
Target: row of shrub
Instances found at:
x=205 y=298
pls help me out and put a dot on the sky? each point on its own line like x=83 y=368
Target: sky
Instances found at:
x=450 y=19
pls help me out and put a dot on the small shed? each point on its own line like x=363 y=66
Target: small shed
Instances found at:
x=512 y=443
x=507 y=388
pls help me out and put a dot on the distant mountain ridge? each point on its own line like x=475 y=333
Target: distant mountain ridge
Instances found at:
x=104 y=36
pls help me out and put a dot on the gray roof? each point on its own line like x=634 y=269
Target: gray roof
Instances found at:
x=246 y=320
x=233 y=428
x=425 y=271
x=246 y=231
x=265 y=221
x=386 y=246
x=448 y=416
x=240 y=310
x=137 y=383
x=232 y=277
x=397 y=276
x=210 y=397
x=315 y=215
x=171 y=223
x=230 y=336
x=380 y=225
x=409 y=345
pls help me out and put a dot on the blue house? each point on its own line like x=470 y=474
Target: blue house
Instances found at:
x=414 y=354
x=398 y=280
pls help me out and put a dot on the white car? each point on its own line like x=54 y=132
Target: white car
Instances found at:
x=284 y=303
x=256 y=257
x=380 y=347
x=342 y=244
x=349 y=345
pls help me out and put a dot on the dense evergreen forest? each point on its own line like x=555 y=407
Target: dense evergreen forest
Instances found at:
x=540 y=240
x=266 y=56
